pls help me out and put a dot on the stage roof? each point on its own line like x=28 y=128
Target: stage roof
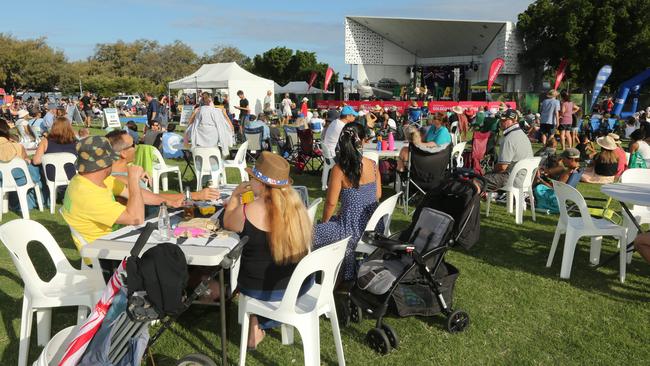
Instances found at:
x=435 y=37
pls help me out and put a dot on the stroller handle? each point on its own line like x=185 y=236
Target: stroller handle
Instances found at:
x=142 y=239
x=234 y=254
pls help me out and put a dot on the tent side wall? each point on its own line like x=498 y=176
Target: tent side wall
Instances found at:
x=254 y=91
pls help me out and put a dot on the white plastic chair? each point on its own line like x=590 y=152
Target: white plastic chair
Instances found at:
x=372 y=155
x=328 y=164
x=302 y=312
x=577 y=227
x=455 y=136
x=238 y=163
x=161 y=170
x=640 y=213
x=383 y=212
x=457 y=154
x=58 y=160
x=516 y=192
x=204 y=158
x=69 y=287
x=9 y=185
x=313 y=207
x=53 y=350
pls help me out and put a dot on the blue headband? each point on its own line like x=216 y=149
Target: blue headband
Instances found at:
x=268 y=180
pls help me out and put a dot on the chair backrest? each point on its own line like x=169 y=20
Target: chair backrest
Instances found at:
x=158 y=158
x=636 y=175
x=564 y=193
x=428 y=168
x=522 y=174
x=240 y=157
x=383 y=211
x=372 y=155
x=306 y=137
x=58 y=161
x=303 y=192
x=171 y=144
x=457 y=154
x=291 y=134
x=15 y=235
x=453 y=128
x=204 y=156
x=313 y=207
x=254 y=138
x=326 y=260
x=8 y=181
x=316 y=126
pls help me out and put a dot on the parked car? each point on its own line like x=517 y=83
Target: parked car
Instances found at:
x=129 y=100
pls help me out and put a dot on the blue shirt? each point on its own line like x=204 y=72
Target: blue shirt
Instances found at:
x=415 y=114
x=266 y=134
x=440 y=135
x=48 y=121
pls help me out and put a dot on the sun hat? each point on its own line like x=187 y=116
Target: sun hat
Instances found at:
x=22 y=113
x=377 y=108
x=457 y=109
x=616 y=137
x=571 y=153
x=94 y=153
x=348 y=111
x=503 y=107
x=271 y=169
x=607 y=143
x=552 y=93
x=305 y=99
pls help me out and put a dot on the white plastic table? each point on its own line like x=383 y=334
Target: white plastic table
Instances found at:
x=385 y=153
x=198 y=252
x=630 y=193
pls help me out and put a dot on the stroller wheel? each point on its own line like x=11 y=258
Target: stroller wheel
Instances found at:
x=342 y=310
x=195 y=359
x=457 y=321
x=356 y=315
x=391 y=334
x=378 y=341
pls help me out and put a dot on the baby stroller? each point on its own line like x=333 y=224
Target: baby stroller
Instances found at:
x=117 y=331
x=407 y=274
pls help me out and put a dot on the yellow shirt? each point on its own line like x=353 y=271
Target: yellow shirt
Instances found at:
x=90 y=209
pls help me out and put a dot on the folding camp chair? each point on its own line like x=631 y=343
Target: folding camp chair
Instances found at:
x=255 y=138
x=309 y=155
x=479 y=160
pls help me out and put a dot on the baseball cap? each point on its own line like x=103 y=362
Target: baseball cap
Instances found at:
x=571 y=153
x=509 y=114
x=347 y=111
x=94 y=153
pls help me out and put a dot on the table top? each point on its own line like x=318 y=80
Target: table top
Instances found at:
x=631 y=193
x=372 y=147
x=198 y=251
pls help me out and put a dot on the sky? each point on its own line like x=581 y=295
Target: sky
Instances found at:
x=75 y=27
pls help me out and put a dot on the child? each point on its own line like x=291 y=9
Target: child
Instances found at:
x=586 y=148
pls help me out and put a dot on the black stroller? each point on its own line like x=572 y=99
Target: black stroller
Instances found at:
x=407 y=274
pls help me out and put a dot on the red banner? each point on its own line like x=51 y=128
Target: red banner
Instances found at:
x=312 y=78
x=328 y=76
x=559 y=75
x=440 y=106
x=495 y=67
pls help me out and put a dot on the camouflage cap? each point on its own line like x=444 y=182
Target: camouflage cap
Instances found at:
x=94 y=153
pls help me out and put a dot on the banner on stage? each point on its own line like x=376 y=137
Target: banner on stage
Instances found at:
x=186 y=113
x=111 y=118
x=434 y=106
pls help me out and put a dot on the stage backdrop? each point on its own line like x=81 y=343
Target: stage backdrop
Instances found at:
x=435 y=106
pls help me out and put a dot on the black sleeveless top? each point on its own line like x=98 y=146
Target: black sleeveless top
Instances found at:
x=257 y=270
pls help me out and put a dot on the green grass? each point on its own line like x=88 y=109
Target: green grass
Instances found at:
x=521 y=312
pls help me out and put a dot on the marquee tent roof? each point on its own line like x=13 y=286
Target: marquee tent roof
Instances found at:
x=217 y=76
x=422 y=37
x=297 y=87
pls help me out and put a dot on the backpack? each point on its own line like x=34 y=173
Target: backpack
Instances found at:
x=160 y=276
x=458 y=197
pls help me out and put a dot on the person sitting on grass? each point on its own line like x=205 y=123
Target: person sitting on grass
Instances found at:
x=561 y=171
x=586 y=148
x=605 y=165
x=279 y=232
x=547 y=151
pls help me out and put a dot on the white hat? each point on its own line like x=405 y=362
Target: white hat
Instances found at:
x=457 y=109
x=22 y=113
x=606 y=142
x=305 y=99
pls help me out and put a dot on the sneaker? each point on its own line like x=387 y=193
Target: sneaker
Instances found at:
x=501 y=197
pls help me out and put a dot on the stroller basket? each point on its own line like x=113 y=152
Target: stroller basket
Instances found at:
x=415 y=298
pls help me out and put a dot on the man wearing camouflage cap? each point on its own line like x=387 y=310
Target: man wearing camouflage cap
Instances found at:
x=89 y=205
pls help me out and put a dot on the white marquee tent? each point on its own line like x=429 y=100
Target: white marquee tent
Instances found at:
x=297 y=87
x=229 y=78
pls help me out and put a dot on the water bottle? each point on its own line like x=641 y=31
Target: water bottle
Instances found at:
x=378 y=143
x=163 y=222
x=391 y=141
x=188 y=205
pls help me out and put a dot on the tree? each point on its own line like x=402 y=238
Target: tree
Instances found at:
x=589 y=33
x=29 y=64
x=282 y=65
x=221 y=54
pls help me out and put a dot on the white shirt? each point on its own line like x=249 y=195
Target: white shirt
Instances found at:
x=286 y=106
x=392 y=124
x=332 y=134
x=644 y=150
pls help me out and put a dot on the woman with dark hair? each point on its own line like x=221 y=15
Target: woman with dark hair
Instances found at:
x=639 y=147
x=356 y=183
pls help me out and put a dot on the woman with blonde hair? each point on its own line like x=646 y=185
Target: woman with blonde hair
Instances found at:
x=279 y=231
